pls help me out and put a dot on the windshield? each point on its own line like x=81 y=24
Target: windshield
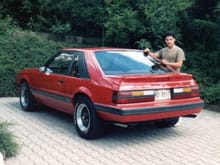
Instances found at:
x=127 y=62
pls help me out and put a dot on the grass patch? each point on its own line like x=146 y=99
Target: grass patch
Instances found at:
x=8 y=145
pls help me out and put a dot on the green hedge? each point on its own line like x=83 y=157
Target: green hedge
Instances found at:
x=17 y=52
x=205 y=68
x=209 y=87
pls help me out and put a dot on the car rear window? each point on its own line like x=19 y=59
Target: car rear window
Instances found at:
x=126 y=62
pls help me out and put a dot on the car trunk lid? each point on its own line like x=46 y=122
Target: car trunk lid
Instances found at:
x=161 y=87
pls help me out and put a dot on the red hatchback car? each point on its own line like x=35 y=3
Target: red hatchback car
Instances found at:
x=109 y=85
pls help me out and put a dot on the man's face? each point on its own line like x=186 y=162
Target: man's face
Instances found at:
x=170 y=41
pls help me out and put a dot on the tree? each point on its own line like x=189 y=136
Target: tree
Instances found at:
x=163 y=15
x=128 y=20
x=121 y=21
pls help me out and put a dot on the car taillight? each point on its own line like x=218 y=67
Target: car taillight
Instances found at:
x=185 y=92
x=123 y=97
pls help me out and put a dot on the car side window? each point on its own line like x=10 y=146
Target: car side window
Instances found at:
x=61 y=63
x=78 y=68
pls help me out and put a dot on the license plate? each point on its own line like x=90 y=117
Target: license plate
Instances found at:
x=163 y=94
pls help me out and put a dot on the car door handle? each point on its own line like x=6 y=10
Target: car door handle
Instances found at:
x=61 y=81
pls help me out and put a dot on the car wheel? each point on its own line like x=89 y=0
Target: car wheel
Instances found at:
x=167 y=122
x=26 y=98
x=86 y=121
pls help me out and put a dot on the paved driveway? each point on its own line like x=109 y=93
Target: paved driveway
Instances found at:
x=48 y=137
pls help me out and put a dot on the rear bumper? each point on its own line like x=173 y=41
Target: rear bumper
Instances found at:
x=147 y=113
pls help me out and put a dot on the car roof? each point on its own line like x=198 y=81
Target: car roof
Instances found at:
x=95 y=49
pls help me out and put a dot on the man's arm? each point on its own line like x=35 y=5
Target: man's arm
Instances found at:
x=175 y=65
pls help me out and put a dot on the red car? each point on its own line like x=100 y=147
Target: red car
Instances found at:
x=106 y=85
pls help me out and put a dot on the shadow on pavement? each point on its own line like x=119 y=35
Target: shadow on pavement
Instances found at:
x=60 y=119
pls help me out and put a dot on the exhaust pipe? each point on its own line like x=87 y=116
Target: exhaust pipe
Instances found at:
x=121 y=125
x=191 y=116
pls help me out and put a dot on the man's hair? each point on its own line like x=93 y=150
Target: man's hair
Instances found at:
x=169 y=33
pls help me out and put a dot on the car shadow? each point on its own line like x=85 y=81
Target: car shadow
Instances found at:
x=64 y=122
x=143 y=130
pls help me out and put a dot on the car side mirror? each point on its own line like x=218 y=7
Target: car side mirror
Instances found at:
x=42 y=69
x=46 y=70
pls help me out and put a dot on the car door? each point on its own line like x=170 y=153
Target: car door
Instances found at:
x=51 y=83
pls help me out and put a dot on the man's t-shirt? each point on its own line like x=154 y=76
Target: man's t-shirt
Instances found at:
x=175 y=54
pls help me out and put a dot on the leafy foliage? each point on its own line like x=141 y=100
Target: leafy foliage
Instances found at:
x=211 y=94
x=8 y=144
x=7 y=25
x=21 y=50
x=162 y=16
x=143 y=43
x=60 y=29
x=124 y=21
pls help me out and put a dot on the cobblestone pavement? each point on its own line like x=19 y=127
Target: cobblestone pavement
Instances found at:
x=48 y=137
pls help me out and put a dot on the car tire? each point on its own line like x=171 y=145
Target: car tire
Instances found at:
x=167 y=122
x=87 y=123
x=25 y=97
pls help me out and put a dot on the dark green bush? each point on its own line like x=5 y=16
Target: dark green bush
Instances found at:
x=206 y=63
x=7 y=25
x=211 y=94
x=17 y=52
x=8 y=145
x=205 y=68
x=209 y=88
x=19 y=49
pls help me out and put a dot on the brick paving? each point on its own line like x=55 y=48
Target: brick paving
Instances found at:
x=48 y=137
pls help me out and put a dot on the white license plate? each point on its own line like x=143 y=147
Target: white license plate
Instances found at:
x=163 y=94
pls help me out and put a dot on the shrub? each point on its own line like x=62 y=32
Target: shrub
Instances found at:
x=7 y=25
x=205 y=63
x=21 y=49
x=8 y=145
x=211 y=94
x=17 y=52
x=209 y=88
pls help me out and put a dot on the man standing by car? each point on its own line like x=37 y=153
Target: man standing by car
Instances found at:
x=172 y=55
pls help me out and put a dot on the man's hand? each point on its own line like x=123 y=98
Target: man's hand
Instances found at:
x=174 y=65
x=165 y=62
x=147 y=51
